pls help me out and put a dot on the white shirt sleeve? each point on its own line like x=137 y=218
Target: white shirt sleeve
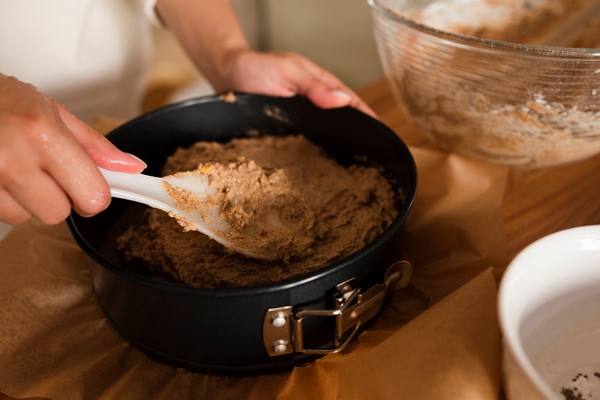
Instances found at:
x=91 y=55
x=150 y=9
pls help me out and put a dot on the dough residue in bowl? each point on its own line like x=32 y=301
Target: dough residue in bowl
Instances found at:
x=515 y=105
x=572 y=23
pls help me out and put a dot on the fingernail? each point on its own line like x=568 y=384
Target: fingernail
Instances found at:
x=342 y=94
x=139 y=159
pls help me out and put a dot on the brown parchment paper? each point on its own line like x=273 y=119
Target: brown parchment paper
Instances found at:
x=437 y=339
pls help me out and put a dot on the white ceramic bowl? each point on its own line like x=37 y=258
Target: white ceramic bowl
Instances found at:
x=549 y=309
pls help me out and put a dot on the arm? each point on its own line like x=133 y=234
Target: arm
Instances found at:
x=49 y=158
x=210 y=33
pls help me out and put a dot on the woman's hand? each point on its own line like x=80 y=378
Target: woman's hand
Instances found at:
x=49 y=159
x=286 y=74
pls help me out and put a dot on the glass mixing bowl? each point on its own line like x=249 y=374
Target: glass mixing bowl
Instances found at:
x=512 y=104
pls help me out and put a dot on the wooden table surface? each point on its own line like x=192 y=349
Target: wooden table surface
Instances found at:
x=536 y=202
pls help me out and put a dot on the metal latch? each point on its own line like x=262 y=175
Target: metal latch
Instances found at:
x=283 y=331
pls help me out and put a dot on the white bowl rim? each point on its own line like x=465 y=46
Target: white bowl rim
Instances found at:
x=492 y=46
x=511 y=336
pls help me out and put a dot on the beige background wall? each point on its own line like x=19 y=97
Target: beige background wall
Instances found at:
x=337 y=34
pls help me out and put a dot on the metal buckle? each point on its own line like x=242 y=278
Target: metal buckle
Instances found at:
x=283 y=331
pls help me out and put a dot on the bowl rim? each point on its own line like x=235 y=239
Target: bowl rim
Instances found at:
x=508 y=325
x=490 y=46
x=397 y=224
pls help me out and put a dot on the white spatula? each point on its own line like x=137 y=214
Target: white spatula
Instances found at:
x=202 y=213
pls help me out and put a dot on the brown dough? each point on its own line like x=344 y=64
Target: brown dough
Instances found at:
x=268 y=217
x=352 y=206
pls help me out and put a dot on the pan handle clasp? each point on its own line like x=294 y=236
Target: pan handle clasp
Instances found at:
x=283 y=331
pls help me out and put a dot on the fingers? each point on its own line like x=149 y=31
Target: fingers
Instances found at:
x=45 y=170
x=100 y=149
x=11 y=211
x=40 y=197
x=71 y=169
x=45 y=167
x=327 y=91
x=71 y=174
x=288 y=74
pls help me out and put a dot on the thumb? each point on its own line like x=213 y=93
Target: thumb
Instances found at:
x=327 y=91
x=327 y=97
x=100 y=149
